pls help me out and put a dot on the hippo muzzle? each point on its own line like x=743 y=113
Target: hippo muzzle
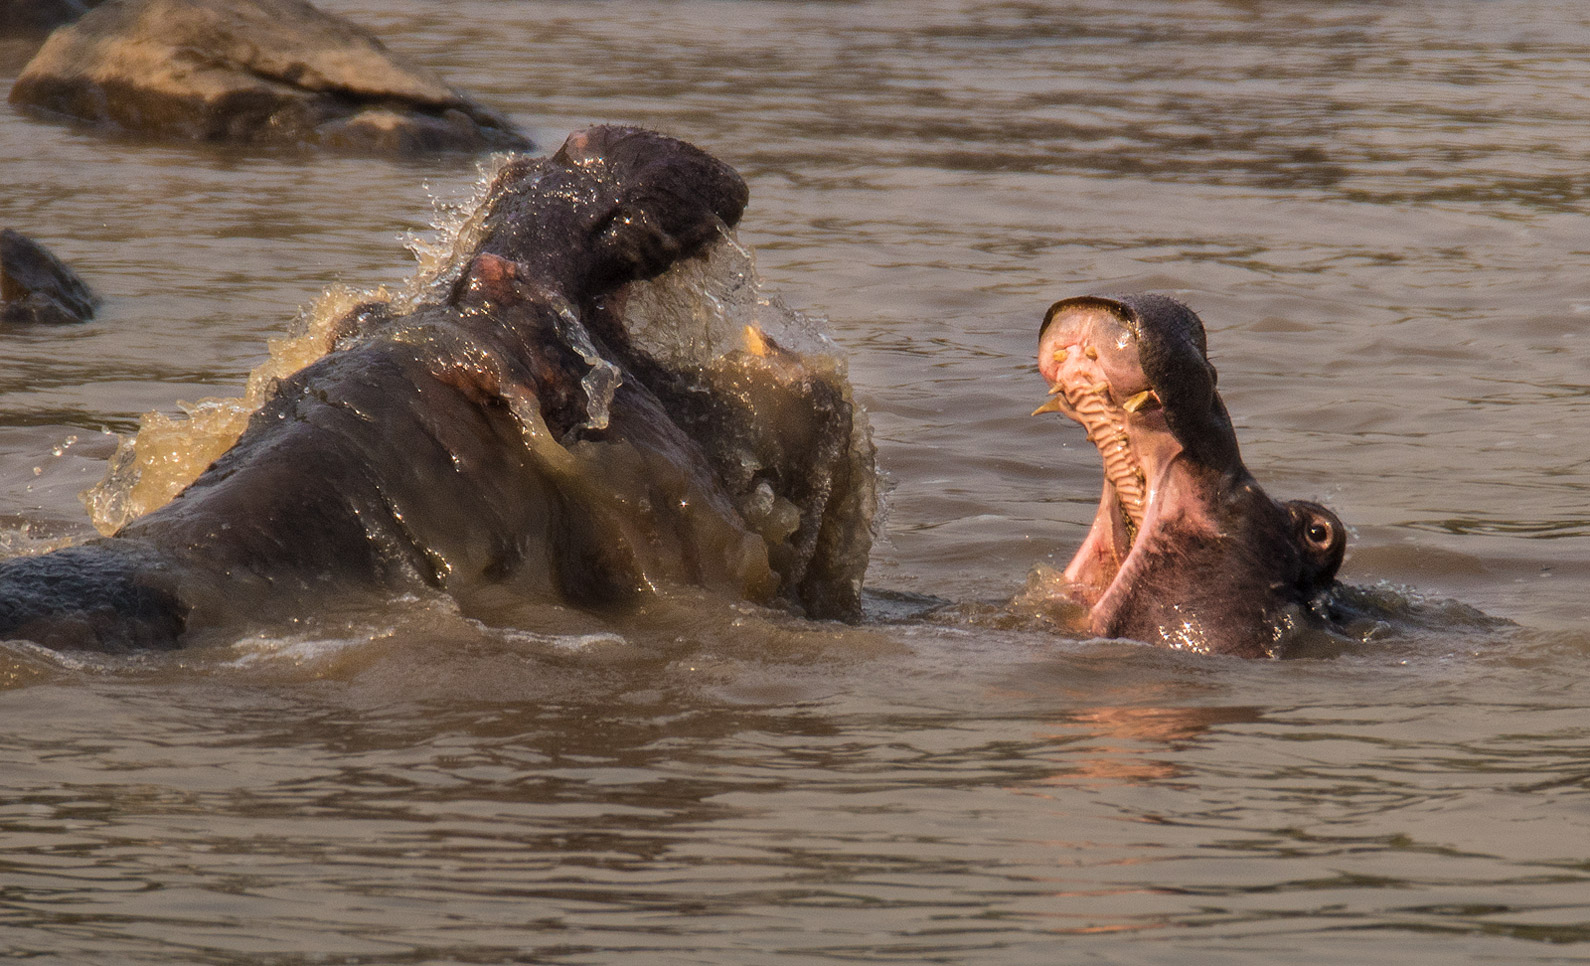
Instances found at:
x=1186 y=549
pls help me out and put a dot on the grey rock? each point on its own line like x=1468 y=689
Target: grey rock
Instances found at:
x=252 y=72
x=36 y=288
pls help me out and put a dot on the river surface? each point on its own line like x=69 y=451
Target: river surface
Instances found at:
x=1380 y=210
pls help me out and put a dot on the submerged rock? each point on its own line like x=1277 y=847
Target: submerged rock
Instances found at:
x=253 y=72
x=38 y=288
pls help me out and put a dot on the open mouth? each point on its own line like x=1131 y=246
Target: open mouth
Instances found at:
x=1099 y=362
x=1186 y=549
x=1081 y=393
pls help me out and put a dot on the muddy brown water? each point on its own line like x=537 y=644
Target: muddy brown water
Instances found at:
x=1379 y=209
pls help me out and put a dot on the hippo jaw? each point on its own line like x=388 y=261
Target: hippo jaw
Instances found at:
x=1186 y=549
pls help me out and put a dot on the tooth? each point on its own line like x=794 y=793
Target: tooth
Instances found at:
x=1091 y=352
x=1139 y=401
x=1054 y=404
x=755 y=342
x=1056 y=389
x=1059 y=355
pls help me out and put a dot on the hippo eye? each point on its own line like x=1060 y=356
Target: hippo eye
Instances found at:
x=1321 y=543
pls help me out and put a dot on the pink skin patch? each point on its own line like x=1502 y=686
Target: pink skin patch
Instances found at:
x=493 y=276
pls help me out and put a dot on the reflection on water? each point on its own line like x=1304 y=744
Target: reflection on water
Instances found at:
x=1378 y=209
x=637 y=808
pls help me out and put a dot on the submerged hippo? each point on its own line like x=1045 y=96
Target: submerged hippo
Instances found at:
x=507 y=437
x=1186 y=549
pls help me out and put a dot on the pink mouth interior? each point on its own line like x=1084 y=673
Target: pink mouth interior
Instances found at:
x=1090 y=359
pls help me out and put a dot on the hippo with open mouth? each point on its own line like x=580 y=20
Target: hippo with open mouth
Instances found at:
x=507 y=437
x=1186 y=549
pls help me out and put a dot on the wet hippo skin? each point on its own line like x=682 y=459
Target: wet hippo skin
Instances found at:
x=467 y=446
x=1186 y=550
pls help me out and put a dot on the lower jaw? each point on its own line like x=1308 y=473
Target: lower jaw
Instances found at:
x=1093 y=569
x=1114 y=547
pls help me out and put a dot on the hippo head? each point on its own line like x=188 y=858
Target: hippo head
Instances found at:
x=1187 y=550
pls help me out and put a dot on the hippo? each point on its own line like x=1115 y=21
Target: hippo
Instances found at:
x=1186 y=549
x=505 y=436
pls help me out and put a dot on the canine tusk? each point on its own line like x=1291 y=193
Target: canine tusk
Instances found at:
x=755 y=342
x=1054 y=404
x=1140 y=401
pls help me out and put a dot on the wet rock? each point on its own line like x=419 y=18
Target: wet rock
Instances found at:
x=252 y=72
x=27 y=18
x=36 y=288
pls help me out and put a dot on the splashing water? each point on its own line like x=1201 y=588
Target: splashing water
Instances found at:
x=688 y=318
x=707 y=307
x=456 y=232
x=167 y=453
x=603 y=379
